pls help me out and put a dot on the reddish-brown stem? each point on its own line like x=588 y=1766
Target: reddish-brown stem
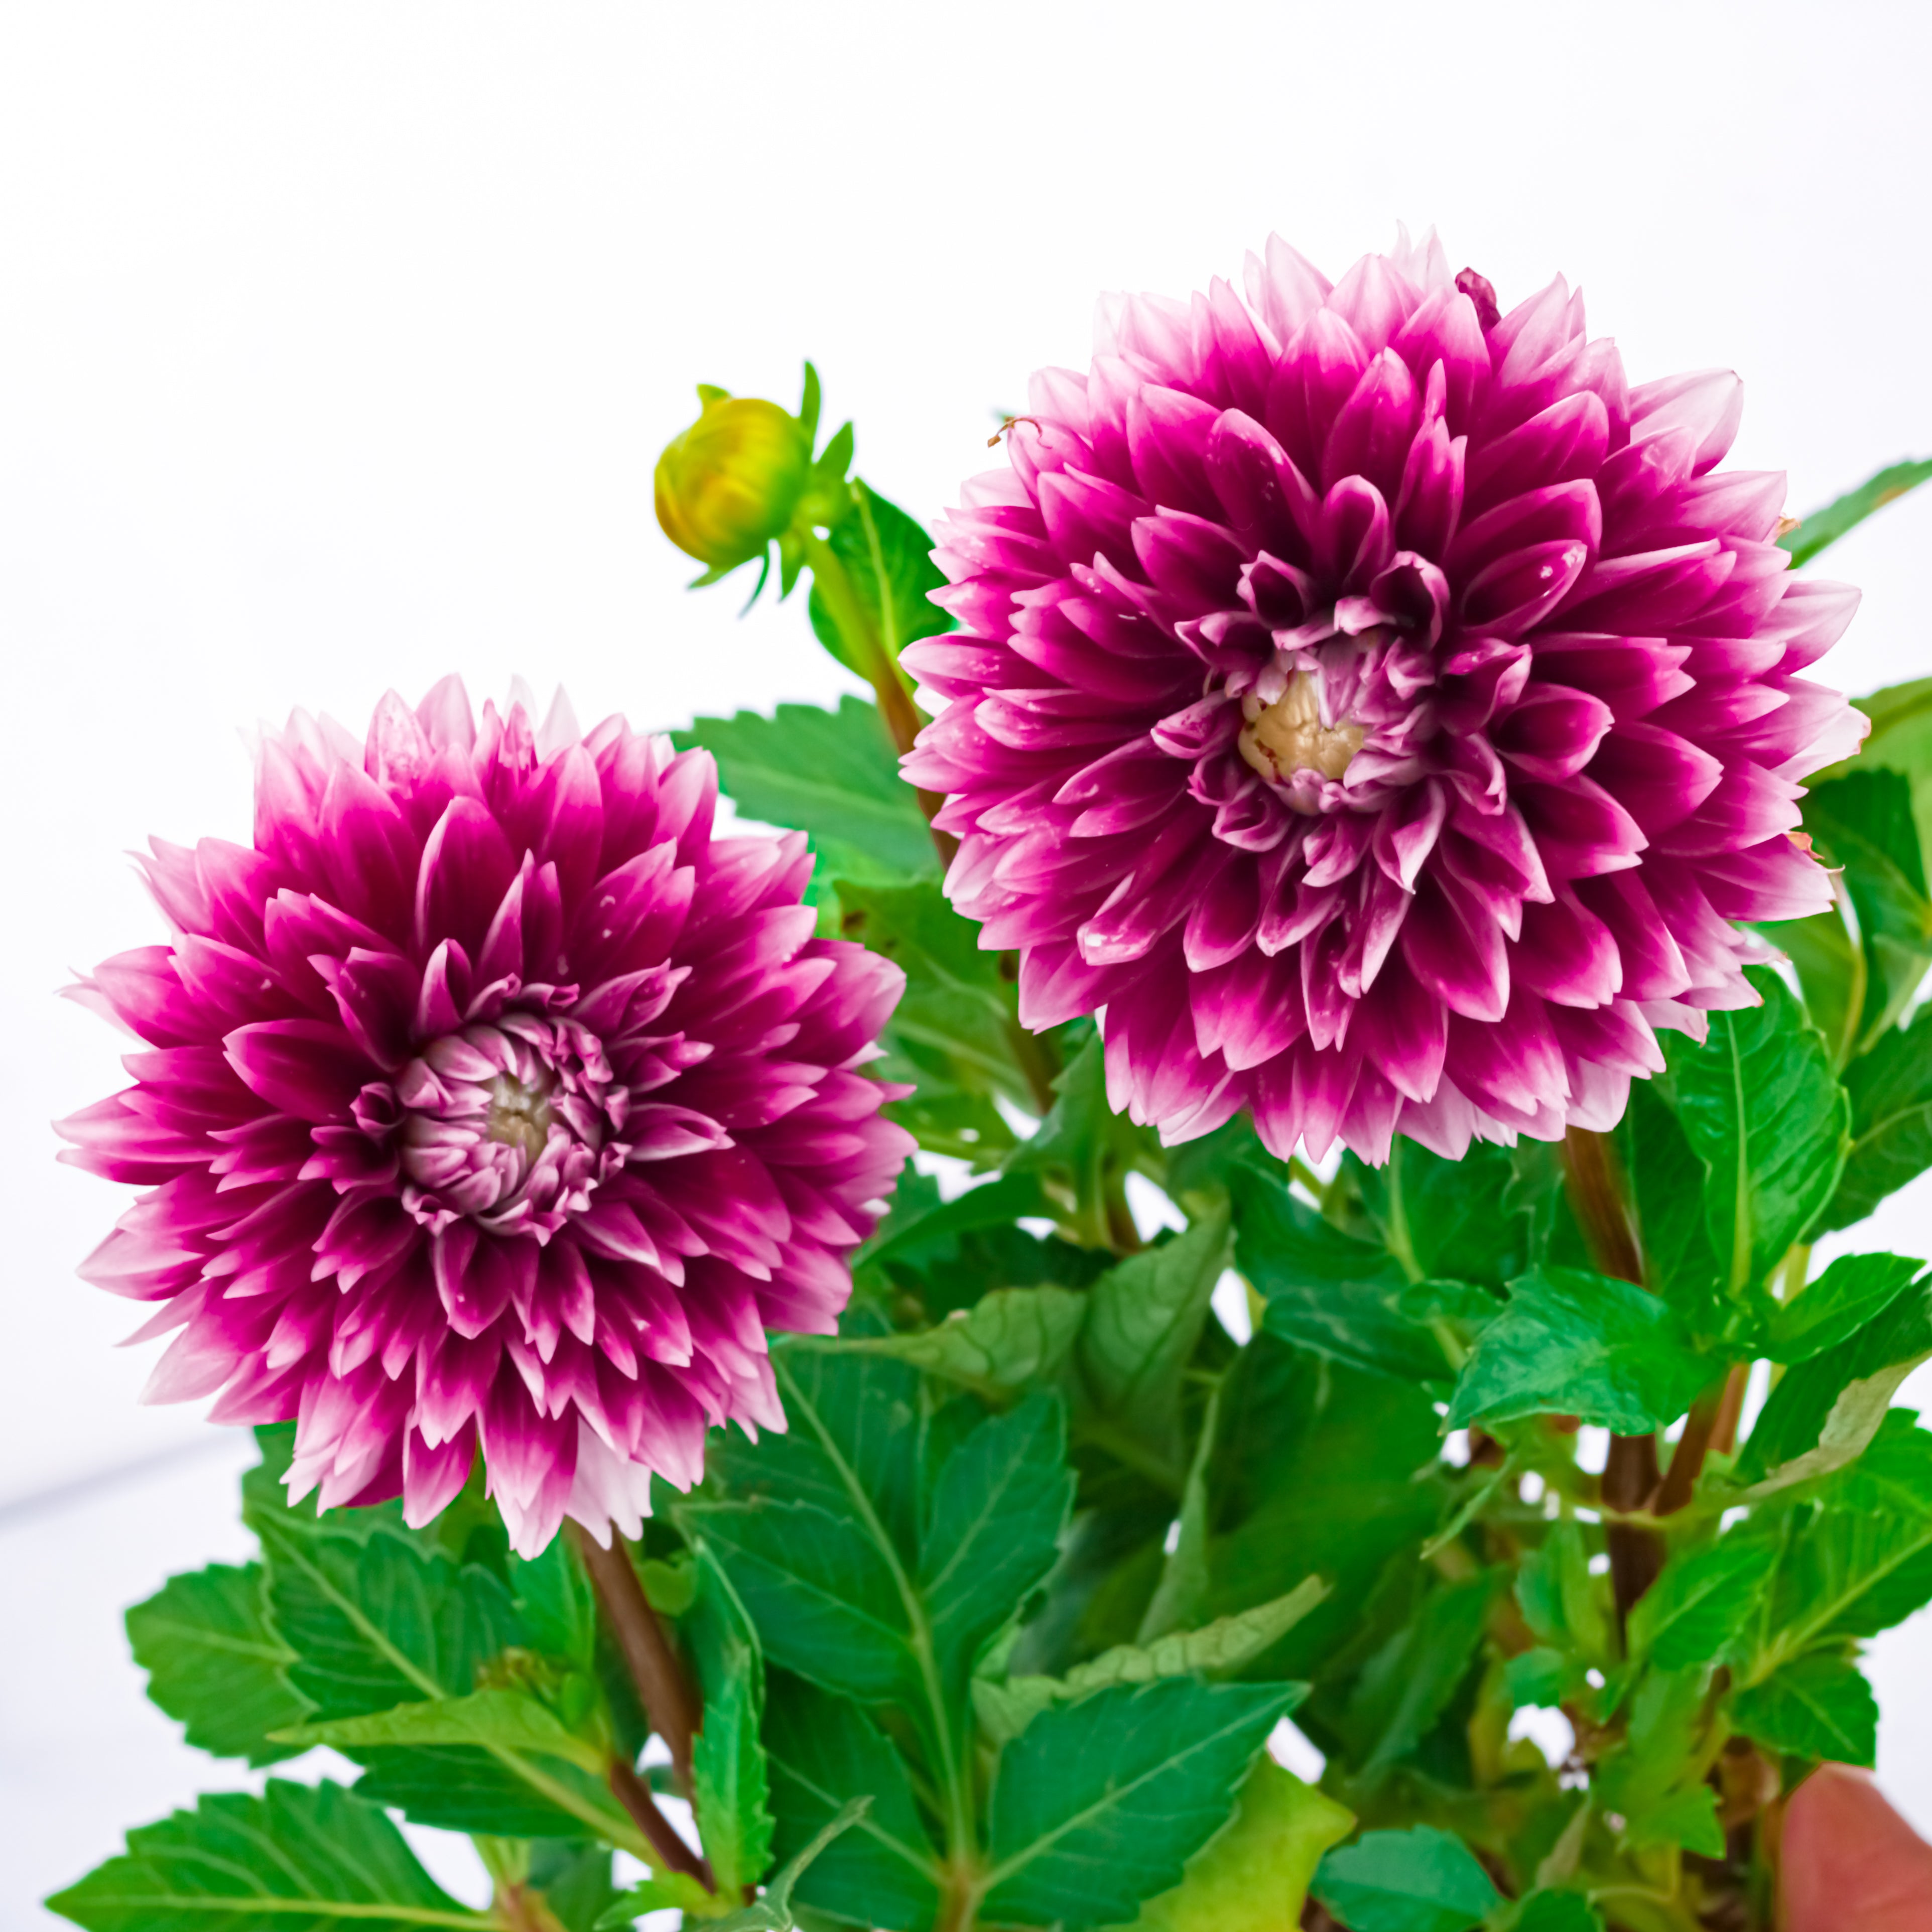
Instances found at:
x=1595 y=1188
x=1730 y=1407
x=635 y=1795
x=1686 y=1459
x=670 y=1700
x=1636 y=1554
x=1712 y=1424
x=1591 y=1168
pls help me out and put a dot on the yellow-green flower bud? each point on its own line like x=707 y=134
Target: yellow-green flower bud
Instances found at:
x=730 y=483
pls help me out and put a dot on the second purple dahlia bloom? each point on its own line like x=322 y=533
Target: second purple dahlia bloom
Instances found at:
x=489 y=1101
x=1377 y=707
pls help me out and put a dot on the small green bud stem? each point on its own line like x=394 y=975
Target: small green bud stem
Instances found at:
x=1630 y=1481
x=881 y=670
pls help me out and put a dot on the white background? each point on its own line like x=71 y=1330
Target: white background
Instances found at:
x=337 y=343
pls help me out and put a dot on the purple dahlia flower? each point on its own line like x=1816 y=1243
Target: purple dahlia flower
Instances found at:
x=1376 y=707
x=489 y=1100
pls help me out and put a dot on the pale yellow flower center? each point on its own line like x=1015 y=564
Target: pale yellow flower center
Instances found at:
x=519 y=1116
x=1288 y=736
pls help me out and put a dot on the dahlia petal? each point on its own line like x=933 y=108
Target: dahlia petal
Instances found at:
x=1168 y=432
x=1512 y=595
x=1372 y=431
x=1709 y=404
x=1429 y=503
x=1567 y=954
x=1445 y=333
x=1286 y=288
x=433 y=1478
x=1654 y=590
x=1323 y=361
x=1554 y=732
x=380 y=1182
x=310 y=1069
x=1564 y=443
x=1402 y=1031
x=1459 y=955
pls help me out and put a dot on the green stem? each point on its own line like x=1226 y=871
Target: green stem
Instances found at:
x=1399 y=1243
x=1855 y=992
x=876 y=665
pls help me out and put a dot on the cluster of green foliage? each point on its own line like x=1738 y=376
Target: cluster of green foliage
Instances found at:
x=996 y=1634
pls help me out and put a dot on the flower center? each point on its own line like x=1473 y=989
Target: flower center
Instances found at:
x=519 y=1116
x=1288 y=737
x=512 y=1123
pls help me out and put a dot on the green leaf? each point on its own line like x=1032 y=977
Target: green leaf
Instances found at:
x=1420 y=1880
x=1447 y=1219
x=1556 y=1912
x=824 y=1751
x=1538 y=1677
x=296 y=1857
x=877 y=1548
x=1817 y=1706
x=515 y=1720
x=1860 y=1559
x=1900 y=740
x=1001 y=1501
x=1012 y=1339
x=955 y=1031
x=1326 y=1291
x=773 y=1913
x=888 y=560
x=1854 y=1290
x=1687 y=1816
x=1824 y=1412
x=1864 y=822
x=1700 y=1603
x=1145 y=1318
x=1317 y=1468
x=1667 y=1180
x=826 y=1595
x=1654 y=1783
x=1083 y=1150
x=1254 y=1877
x=213 y=1663
x=574 y=1880
x=1561 y=1601
x=830 y=773
x=1760 y=1103
x=1181 y=1595
x=1825 y=527
x=1831 y=974
x=376 y=1621
x=833 y=1599
x=1409 y=1682
x=1098 y=1806
x=931 y=1223
x=1891 y=1092
x=1570 y=1343
x=727 y=1763
x=673 y=1892
x=496 y=1792
x=1215 y=1649
x=554 y=1600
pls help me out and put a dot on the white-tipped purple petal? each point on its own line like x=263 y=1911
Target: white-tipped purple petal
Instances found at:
x=461 y=1085
x=1403 y=690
